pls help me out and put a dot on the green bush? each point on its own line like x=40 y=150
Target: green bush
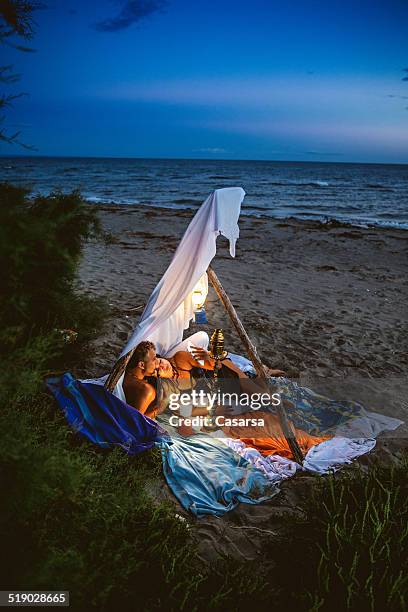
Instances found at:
x=40 y=247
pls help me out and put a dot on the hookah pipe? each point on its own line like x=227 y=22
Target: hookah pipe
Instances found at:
x=217 y=353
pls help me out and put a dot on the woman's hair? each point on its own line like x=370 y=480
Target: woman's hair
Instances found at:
x=140 y=354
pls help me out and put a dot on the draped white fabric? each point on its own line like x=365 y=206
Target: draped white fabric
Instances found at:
x=170 y=309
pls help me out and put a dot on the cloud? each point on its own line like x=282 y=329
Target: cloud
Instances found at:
x=267 y=95
x=320 y=134
x=210 y=150
x=321 y=153
x=132 y=12
x=397 y=96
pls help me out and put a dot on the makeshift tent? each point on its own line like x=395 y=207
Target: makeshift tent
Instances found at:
x=169 y=310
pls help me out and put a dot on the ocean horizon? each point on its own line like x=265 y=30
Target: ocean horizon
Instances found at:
x=355 y=193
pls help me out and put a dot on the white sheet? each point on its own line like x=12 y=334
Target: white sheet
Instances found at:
x=169 y=309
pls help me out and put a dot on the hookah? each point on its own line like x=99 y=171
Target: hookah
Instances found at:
x=217 y=353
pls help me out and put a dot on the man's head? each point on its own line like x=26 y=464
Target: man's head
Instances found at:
x=144 y=357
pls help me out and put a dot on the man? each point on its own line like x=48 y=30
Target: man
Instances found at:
x=138 y=392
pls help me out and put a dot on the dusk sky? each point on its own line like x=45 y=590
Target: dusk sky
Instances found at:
x=297 y=80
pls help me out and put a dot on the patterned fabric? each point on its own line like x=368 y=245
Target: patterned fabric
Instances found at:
x=269 y=439
x=316 y=414
x=102 y=417
x=207 y=477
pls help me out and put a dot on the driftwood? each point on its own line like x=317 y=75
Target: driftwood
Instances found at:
x=253 y=355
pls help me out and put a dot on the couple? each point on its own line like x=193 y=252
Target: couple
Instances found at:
x=145 y=366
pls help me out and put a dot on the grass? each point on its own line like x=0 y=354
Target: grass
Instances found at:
x=79 y=519
x=350 y=551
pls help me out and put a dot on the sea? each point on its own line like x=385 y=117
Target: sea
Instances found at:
x=356 y=194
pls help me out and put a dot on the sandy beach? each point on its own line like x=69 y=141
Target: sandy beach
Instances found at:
x=327 y=303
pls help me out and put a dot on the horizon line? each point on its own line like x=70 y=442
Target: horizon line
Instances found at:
x=297 y=161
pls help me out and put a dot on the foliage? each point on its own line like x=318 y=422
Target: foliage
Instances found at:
x=16 y=19
x=40 y=247
x=364 y=542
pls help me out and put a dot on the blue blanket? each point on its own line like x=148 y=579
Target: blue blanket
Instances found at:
x=103 y=418
x=207 y=477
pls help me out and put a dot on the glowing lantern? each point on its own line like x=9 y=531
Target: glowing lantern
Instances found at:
x=198 y=299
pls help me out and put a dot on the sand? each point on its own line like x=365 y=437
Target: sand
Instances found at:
x=327 y=303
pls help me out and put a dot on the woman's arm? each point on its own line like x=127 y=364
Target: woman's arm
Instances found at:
x=199 y=354
x=231 y=366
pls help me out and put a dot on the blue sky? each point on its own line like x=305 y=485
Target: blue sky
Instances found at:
x=295 y=80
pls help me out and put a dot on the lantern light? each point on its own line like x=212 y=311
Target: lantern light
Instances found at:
x=198 y=298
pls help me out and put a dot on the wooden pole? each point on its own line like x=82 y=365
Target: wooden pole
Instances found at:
x=118 y=370
x=287 y=430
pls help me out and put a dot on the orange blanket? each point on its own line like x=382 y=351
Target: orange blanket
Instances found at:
x=269 y=439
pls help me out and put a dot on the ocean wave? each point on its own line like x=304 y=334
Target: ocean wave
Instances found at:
x=104 y=200
x=330 y=220
x=378 y=186
x=299 y=184
x=187 y=201
x=263 y=212
x=375 y=186
x=99 y=200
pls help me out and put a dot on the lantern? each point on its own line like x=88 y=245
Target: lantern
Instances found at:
x=198 y=297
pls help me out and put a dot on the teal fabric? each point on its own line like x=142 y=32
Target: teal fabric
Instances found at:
x=315 y=413
x=207 y=477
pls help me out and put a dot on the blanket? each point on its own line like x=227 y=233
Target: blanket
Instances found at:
x=103 y=418
x=207 y=477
